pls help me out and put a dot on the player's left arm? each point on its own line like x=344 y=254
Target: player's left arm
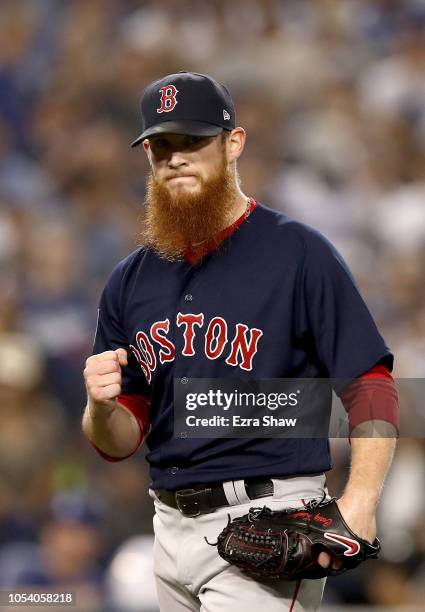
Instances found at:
x=347 y=342
x=371 y=402
x=370 y=461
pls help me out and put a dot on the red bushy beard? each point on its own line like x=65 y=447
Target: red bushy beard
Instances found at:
x=173 y=222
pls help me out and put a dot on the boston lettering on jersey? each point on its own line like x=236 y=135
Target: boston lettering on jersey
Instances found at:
x=274 y=300
x=243 y=346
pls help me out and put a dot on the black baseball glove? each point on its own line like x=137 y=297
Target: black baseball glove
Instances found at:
x=286 y=543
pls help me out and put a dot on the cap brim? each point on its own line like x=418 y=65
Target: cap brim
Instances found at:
x=191 y=128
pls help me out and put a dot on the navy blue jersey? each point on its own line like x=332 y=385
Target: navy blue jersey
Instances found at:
x=274 y=300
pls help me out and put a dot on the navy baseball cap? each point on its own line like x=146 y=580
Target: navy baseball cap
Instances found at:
x=186 y=103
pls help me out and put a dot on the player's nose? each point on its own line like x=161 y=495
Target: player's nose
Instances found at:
x=176 y=159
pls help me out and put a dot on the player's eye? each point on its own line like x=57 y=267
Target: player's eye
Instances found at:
x=159 y=146
x=159 y=143
x=194 y=140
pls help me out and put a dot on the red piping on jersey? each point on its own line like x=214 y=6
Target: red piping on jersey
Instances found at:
x=294 y=599
x=139 y=406
x=194 y=254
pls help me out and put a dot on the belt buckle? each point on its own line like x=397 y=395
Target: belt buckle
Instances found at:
x=183 y=493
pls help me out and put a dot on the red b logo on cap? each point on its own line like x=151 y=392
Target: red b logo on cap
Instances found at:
x=168 y=99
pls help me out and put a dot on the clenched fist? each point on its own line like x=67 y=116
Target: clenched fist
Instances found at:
x=102 y=375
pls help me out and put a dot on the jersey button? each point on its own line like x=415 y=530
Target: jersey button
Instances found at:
x=188 y=297
x=174 y=470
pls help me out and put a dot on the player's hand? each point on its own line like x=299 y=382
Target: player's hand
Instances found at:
x=103 y=379
x=360 y=518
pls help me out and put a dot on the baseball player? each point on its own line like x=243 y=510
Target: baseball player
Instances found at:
x=224 y=287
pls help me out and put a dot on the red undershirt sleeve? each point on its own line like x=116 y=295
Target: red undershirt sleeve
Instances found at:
x=372 y=396
x=139 y=406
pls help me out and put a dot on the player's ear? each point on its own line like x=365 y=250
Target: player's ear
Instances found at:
x=235 y=143
x=148 y=150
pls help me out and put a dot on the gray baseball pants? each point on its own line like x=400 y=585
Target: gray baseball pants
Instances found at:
x=191 y=576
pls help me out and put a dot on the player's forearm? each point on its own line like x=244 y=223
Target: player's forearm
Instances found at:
x=370 y=461
x=115 y=431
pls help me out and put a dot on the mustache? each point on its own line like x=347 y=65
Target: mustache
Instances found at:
x=179 y=175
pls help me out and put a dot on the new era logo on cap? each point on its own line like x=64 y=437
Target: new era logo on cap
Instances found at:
x=186 y=103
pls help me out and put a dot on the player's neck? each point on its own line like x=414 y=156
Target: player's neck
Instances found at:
x=240 y=206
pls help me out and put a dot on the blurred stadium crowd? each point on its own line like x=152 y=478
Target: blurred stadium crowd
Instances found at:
x=332 y=95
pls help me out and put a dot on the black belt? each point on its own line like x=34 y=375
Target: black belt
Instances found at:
x=202 y=499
